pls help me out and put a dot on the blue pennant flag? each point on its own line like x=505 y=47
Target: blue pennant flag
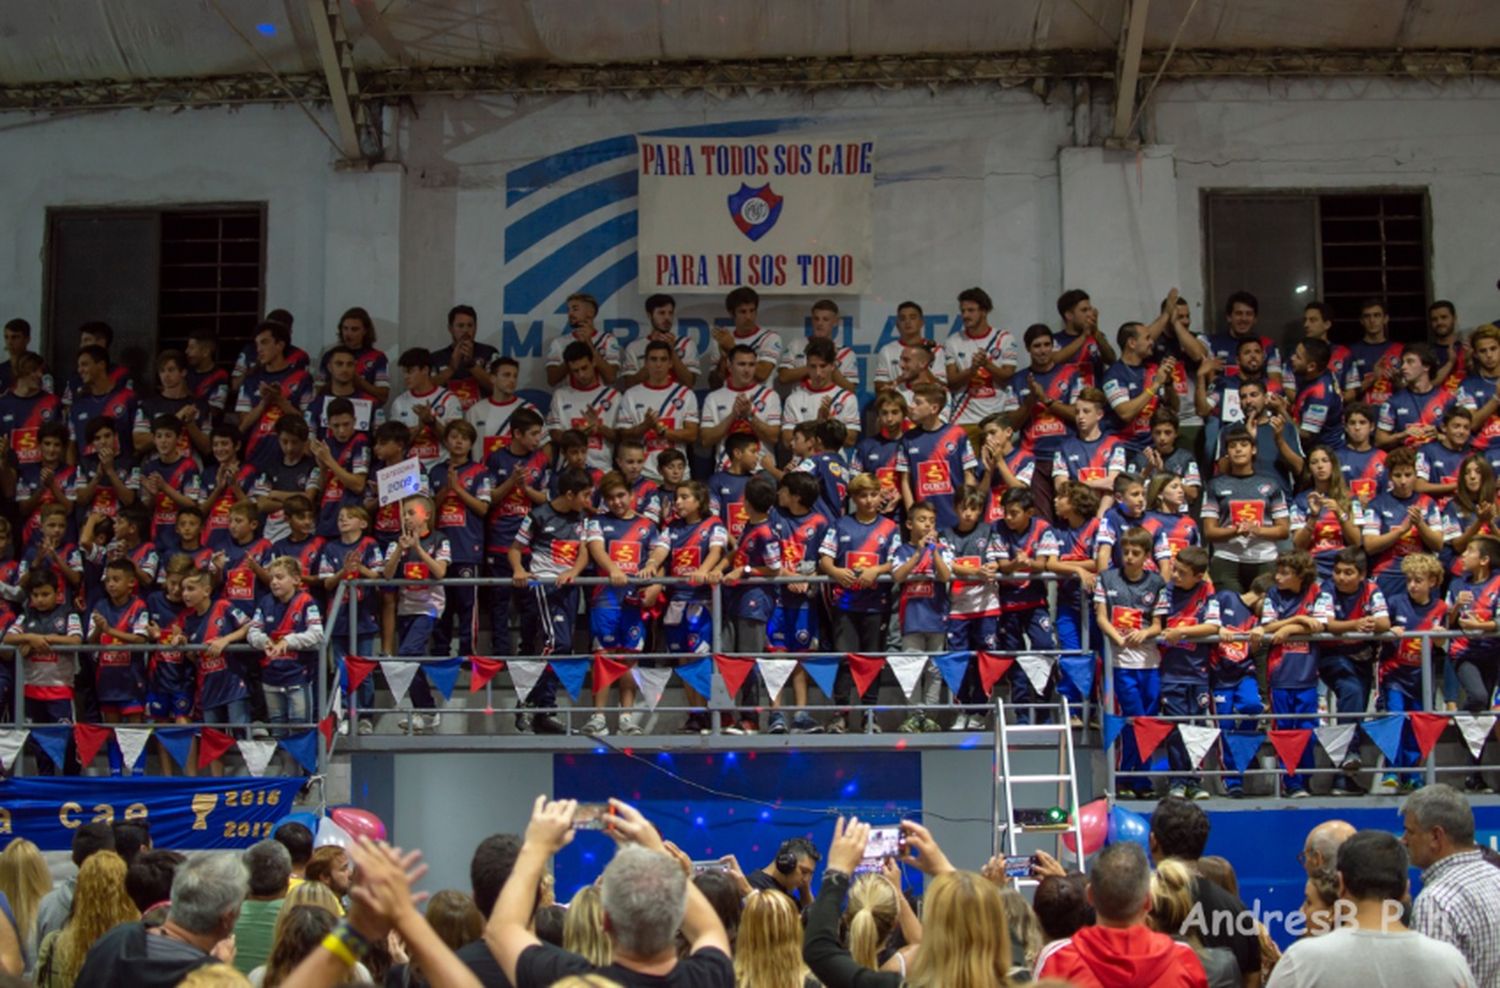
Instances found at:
x=444 y=675
x=1386 y=733
x=1113 y=726
x=1078 y=672
x=824 y=670
x=698 y=674
x=178 y=741
x=1240 y=749
x=303 y=747
x=953 y=666
x=572 y=673
x=53 y=741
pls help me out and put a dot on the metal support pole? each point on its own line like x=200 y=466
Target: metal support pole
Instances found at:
x=1108 y=693
x=1427 y=697
x=19 y=681
x=716 y=625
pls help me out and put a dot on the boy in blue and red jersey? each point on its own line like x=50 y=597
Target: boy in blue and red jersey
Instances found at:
x=170 y=478
x=1296 y=605
x=1473 y=600
x=223 y=699
x=1135 y=384
x=1419 y=608
x=288 y=628
x=353 y=555
x=26 y=406
x=645 y=493
x=619 y=540
x=1399 y=522
x=1076 y=530
x=1130 y=605
x=1045 y=392
x=970 y=553
x=923 y=613
x=119 y=618
x=99 y=396
x=50 y=549
x=1359 y=607
x=520 y=470
x=1318 y=408
x=878 y=453
x=48 y=686
x=170 y=674
x=825 y=461
x=1090 y=457
x=1411 y=415
x=1025 y=544
x=726 y=488
x=1004 y=466
x=44 y=478
x=276 y=388
x=1231 y=674
x=1165 y=456
x=226 y=480
x=936 y=461
x=301 y=543
x=1438 y=461
x=463 y=491
x=132 y=526
x=857 y=551
x=756 y=552
x=187 y=533
x=1128 y=511
x=343 y=466
x=1192 y=612
x=553 y=536
x=798 y=620
x=1362 y=464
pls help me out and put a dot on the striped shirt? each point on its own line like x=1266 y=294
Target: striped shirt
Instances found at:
x=1460 y=904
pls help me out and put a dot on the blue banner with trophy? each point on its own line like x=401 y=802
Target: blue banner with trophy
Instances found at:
x=184 y=814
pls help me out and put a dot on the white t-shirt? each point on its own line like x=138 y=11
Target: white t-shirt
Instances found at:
x=803 y=405
x=607 y=345
x=765 y=342
x=719 y=406
x=427 y=444
x=844 y=360
x=984 y=396
x=570 y=408
x=491 y=419
x=888 y=361
x=633 y=358
x=675 y=406
x=1371 y=959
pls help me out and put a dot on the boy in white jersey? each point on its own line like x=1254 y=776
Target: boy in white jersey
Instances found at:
x=424 y=407
x=818 y=397
x=587 y=404
x=660 y=412
x=490 y=416
x=825 y=326
x=743 y=404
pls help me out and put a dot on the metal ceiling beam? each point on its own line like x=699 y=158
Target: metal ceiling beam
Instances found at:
x=1128 y=66
x=733 y=78
x=337 y=56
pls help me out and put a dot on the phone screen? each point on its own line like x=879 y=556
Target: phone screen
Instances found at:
x=592 y=816
x=885 y=842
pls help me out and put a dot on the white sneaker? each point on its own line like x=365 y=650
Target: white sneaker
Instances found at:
x=343 y=727
x=960 y=723
x=366 y=726
x=1386 y=787
x=426 y=723
x=629 y=725
x=596 y=726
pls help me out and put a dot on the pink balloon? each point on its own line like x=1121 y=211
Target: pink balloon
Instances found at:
x=1093 y=818
x=358 y=822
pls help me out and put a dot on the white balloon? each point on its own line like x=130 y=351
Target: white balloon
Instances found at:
x=330 y=833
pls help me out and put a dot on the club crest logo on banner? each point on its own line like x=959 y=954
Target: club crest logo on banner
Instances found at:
x=755 y=211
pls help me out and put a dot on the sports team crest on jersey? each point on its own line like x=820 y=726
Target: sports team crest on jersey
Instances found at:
x=755 y=211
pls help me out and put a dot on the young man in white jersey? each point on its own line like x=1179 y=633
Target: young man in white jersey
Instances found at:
x=424 y=407
x=911 y=327
x=490 y=416
x=825 y=325
x=981 y=359
x=744 y=307
x=661 y=316
x=743 y=404
x=587 y=404
x=818 y=397
x=659 y=411
x=604 y=349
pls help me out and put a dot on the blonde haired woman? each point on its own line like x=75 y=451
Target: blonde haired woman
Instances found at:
x=99 y=905
x=583 y=928
x=768 y=953
x=876 y=908
x=24 y=879
x=1171 y=907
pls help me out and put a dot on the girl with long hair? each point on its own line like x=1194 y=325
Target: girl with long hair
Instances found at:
x=768 y=953
x=1324 y=519
x=583 y=928
x=99 y=905
x=966 y=935
x=1171 y=907
x=1172 y=526
x=24 y=879
x=371 y=366
x=299 y=931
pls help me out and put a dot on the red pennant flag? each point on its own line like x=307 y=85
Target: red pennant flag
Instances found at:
x=992 y=668
x=607 y=670
x=326 y=727
x=359 y=670
x=1290 y=745
x=89 y=738
x=864 y=669
x=482 y=670
x=734 y=671
x=211 y=746
x=1426 y=728
x=1150 y=733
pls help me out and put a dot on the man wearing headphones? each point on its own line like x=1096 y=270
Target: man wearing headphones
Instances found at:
x=792 y=871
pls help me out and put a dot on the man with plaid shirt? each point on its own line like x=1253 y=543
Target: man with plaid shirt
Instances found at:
x=1460 y=899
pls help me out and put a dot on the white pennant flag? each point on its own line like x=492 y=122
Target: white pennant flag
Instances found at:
x=398 y=675
x=257 y=754
x=1476 y=730
x=1038 y=669
x=524 y=676
x=1335 y=739
x=907 y=667
x=132 y=741
x=653 y=682
x=11 y=743
x=1197 y=740
x=775 y=672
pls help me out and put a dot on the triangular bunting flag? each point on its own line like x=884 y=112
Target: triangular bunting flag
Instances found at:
x=571 y=673
x=1386 y=733
x=304 y=748
x=953 y=666
x=211 y=746
x=399 y=675
x=1335 y=739
x=524 y=676
x=607 y=670
x=178 y=741
x=992 y=668
x=1078 y=672
x=865 y=669
x=824 y=670
x=11 y=743
x=1114 y=726
x=359 y=670
x=326 y=727
x=1476 y=731
x=1290 y=744
x=775 y=672
x=132 y=742
x=1241 y=749
x=54 y=742
x=1038 y=669
x=734 y=672
x=907 y=668
x=699 y=674
x=481 y=671
x=1197 y=740
x=1149 y=732
x=1426 y=728
x=257 y=755
x=653 y=682
x=443 y=675
x=88 y=739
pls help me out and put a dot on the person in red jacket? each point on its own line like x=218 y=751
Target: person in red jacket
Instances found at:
x=1120 y=951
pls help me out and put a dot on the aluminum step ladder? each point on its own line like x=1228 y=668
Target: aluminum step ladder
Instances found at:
x=1063 y=783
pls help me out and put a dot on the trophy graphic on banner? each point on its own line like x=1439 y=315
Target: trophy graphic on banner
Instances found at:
x=203 y=805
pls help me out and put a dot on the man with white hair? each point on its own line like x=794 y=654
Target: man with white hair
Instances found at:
x=1460 y=899
x=646 y=897
x=1321 y=849
x=206 y=897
